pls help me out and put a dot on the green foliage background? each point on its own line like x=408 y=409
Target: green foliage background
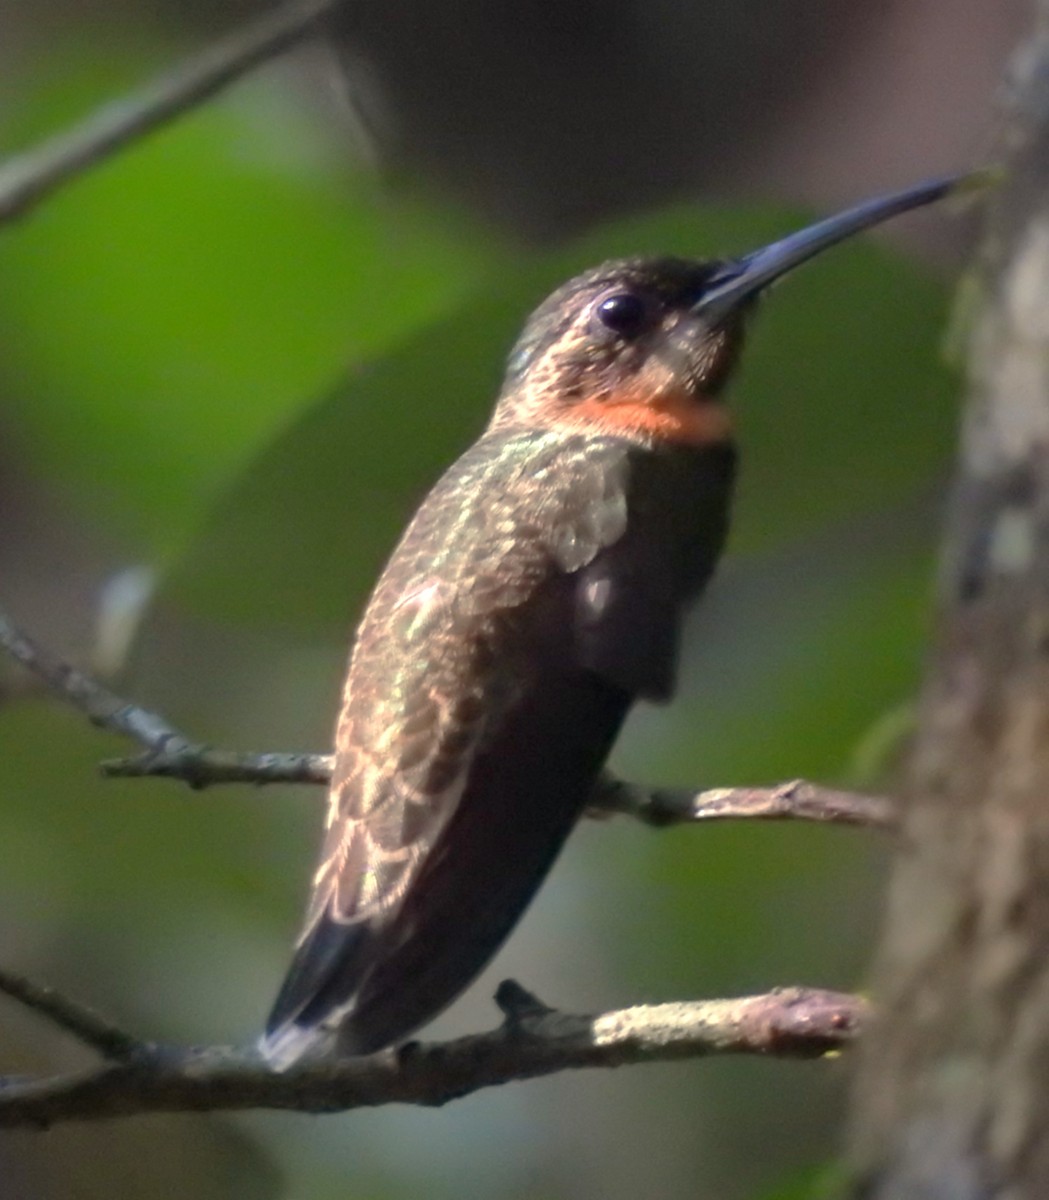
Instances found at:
x=232 y=358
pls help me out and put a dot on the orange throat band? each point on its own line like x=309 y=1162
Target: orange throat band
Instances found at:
x=669 y=415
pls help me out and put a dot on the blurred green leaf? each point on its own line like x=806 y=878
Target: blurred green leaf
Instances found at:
x=163 y=318
x=122 y=851
x=815 y=1183
x=843 y=407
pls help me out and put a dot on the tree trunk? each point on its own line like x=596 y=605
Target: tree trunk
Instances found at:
x=952 y=1093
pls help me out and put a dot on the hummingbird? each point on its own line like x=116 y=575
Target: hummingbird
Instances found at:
x=537 y=593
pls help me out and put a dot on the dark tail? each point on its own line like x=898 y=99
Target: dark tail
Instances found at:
x=320 y=980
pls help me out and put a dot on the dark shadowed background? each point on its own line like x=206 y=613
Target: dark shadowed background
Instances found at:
x=232 y=361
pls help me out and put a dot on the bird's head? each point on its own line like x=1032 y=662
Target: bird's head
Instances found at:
x=643 y=348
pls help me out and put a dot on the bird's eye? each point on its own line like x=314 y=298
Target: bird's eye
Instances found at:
x=624 y=313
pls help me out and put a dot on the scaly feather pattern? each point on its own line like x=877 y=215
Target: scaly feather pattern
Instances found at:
x=477 y=715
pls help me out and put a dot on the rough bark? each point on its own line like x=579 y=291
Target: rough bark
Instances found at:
x=952 y=1096
x=141 y=1077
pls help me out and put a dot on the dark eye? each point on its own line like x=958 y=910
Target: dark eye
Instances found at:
x=624 y=313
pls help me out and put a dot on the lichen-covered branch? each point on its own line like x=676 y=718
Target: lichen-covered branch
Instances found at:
x=786 y=1023
x=29 y=178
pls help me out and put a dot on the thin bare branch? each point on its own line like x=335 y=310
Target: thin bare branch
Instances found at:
x=75 y=1018
x=796 y=800
x=29 y=178
x=200 y=766
x=169 y=754
x=787 y=1023
x=101 y=706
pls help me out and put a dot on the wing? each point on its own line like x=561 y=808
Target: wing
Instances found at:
x=633 y=593
x=472 y=620
x=524 y=792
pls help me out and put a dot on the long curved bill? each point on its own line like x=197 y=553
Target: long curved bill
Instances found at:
x=745 y=277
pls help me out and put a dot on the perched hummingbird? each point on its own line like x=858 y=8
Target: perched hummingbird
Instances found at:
x=537 y=593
